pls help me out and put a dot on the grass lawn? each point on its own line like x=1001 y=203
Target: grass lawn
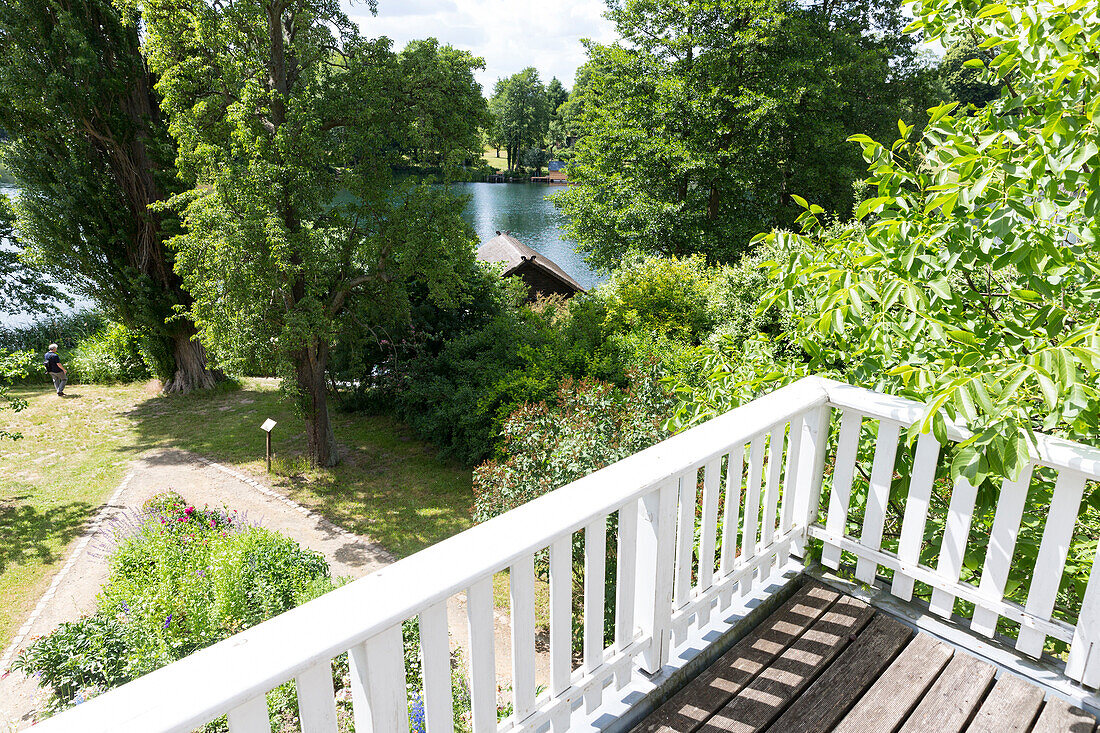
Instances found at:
x=500 y=163
x=390 y=486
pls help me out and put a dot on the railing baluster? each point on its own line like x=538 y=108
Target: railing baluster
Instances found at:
x=656 y=555
x=561 y=621
x=837 y=521
x=483 y=687
x=960 y=512
x=251 y=717
x=708 y=531
x=435 y=663
x=790 y=475
x=1053 y=550
x=752 y=507
x=685 y=543
x=626 y=573
x=771 y=487
x=378 y=693
x=1083 y=664
x=317 y=699
x=1002 y=545
x=878 y=496
x=916 y=511
x=595 y=556
x=522 y=585
x=731 y=522
x=811 y=473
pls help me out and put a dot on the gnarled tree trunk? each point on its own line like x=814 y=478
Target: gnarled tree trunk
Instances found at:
x=191 y=369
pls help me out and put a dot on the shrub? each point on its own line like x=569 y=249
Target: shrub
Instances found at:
x=592 y=426
x=666 y=296
x=112 y=354
x=186 y=579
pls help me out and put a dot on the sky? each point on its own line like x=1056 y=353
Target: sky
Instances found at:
x=509 y=34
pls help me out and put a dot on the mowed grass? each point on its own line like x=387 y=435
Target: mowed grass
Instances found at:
x=390 y=486
x=73 y=454
x=499 y=162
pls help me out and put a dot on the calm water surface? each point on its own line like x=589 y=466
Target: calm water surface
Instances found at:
x=523 y=209
x=519 y=208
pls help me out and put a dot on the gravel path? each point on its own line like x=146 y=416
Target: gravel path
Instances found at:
x=74 y=589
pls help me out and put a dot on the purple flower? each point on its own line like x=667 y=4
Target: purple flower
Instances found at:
x=167 y=621
x=200 y=573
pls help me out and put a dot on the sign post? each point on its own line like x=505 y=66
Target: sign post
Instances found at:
x=267 y=427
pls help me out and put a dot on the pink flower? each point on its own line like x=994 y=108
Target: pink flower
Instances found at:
x=181 y=519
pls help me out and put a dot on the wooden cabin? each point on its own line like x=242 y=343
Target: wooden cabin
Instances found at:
x=542 y=275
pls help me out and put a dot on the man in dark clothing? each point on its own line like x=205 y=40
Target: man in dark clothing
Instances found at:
x=56 y=370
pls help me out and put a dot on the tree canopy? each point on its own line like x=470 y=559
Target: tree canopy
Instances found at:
x=520 y=113
x=289 y=125
x=699 y=125
x=92 y=155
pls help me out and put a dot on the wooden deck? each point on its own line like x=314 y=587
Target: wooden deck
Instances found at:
x=825 y=661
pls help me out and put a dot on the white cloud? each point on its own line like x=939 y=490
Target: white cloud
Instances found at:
x=509 y=34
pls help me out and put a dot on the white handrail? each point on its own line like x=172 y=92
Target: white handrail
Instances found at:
x=240 y=669
x=773 y=447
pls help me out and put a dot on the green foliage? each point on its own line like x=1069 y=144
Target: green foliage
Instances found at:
x=112 y=354
x=79 y=659
x=967 y=84
x=14 y=366
x=520 y=113
x=66 y=330
x=699 y=124
x=92 y=155
x=973 y=286
x=670 y=297
x=590 y=425
x=185 y=579
x=294 y=211
x=22 y=286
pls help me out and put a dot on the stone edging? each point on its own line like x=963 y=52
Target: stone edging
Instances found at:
x=81 y=545
x=292 y=504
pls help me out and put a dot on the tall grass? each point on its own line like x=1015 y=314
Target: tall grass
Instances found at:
x=66 y=330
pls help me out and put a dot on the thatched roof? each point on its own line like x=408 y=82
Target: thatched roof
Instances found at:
x=515 y=254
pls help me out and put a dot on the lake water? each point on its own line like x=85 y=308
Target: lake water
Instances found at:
x=520 y=208
x=523 y=210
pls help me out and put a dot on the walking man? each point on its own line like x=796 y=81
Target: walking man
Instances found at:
x=56 y=370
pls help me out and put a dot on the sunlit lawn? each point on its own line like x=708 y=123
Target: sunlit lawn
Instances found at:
x=499 y=162
x=390 y=486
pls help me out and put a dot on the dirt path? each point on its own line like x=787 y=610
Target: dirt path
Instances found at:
x=200 y=482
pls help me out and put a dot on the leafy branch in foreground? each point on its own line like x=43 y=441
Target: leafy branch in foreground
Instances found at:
x=971 y=279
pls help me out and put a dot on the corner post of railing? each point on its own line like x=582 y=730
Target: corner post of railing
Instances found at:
x=811 y=468
x=655 y=558
x=1083 y=663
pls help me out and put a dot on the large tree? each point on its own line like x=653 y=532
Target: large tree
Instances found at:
x=93 y=159
x=520 y=112
x=289 y=125
x=702 y=121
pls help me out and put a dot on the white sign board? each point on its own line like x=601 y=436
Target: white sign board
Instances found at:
x=268 y=425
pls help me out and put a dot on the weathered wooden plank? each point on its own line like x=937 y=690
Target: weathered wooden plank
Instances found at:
x=767 y=696
x=691 y=706
x=897 y=691
x=1011 y=706
x=947 y=707
x=1059 y=716
x=844 y=682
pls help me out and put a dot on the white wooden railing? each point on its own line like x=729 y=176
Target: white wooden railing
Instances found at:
x=754 y=477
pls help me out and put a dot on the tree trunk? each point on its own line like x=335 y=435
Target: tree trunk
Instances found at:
x=309 y=371
x=191 y=369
